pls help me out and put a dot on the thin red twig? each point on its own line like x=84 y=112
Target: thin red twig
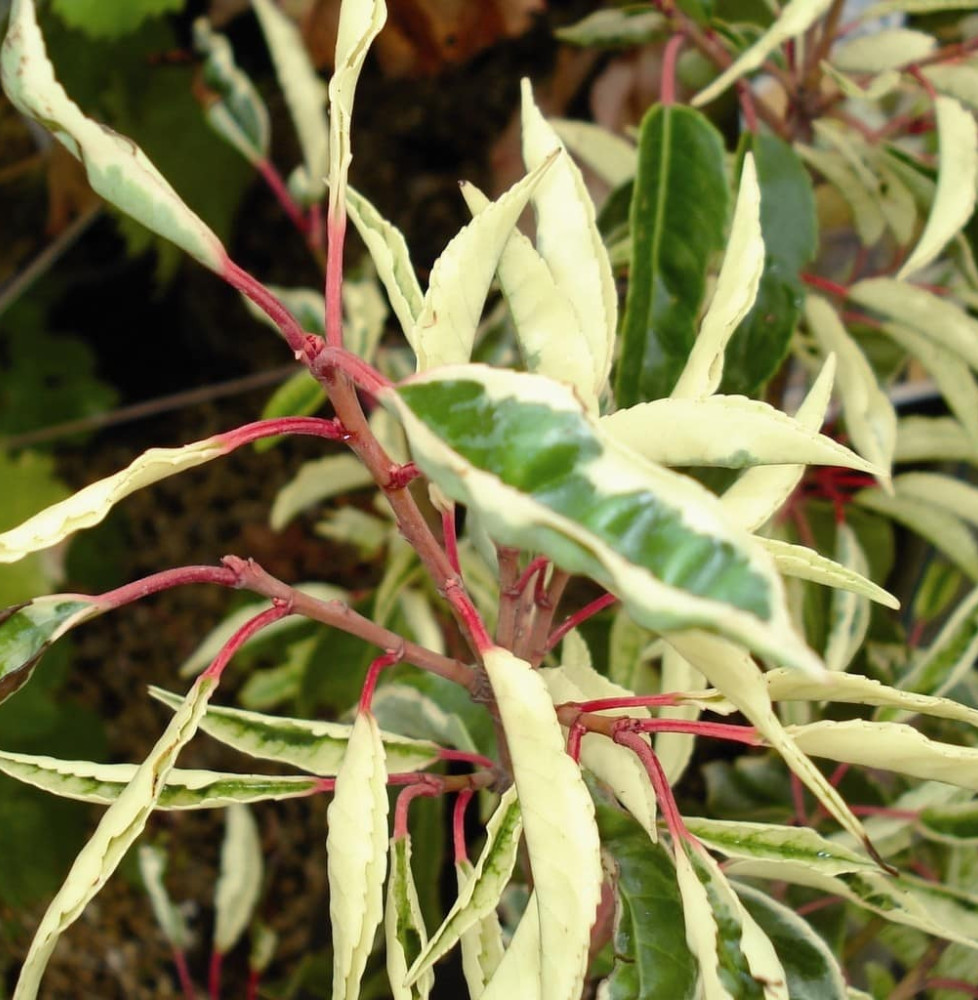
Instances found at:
x=572 y=621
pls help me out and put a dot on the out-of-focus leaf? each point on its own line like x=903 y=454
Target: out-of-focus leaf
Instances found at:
x=316 y=481
x=239 y=883
x=925 y=439
x=678 y=214
x=99 y=19
x=877 y=51
x=867 y=213
x=611 y=157
x=152 y=867
x=848 y=611
x=618 y=27
x=959 y=81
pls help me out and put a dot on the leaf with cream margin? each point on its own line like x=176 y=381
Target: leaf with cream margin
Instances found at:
x=102 y=784
x=120 y=826
x=152 y=867
x=927 y=439
x=807 y=564
x=310 y=745
x=116 y=167
x=233 y=106
x=955 y=381
x=480 y=894
x=239 y=883
x=761 y=492
x=736 y=959
x=734 y=294
x=613 y=158
x=404 y=929
x=890 y=48
x=305 y=96
x=935 y=317
x=958 y=497
x=675 y=750
x=558 y=823
x=870 y=417
x=617 y=766
x=392 y=259
x=943 y=529
x=444 y=330
x=958 y=81
x=539 y=308
x=90 y=505
x=482 y=944
x=848 y=611
x=796 y=17
x=27 y=630
x=549 y=479
x=520 y=970
x=568 y=239
x=884 y=7
x=957 y=182
x=316 y=481
x=683 y=432
x=738 y=678
x=360 y=22
x=356 y=855
x=867 y=212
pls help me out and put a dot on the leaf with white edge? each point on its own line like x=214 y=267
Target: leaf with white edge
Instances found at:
x=734 y=294
x=618 y=26
x=480 y=894
x=119 y=828
x=520 y=970
x=882 y=50
x=867 y=212
x=305 y=95
x=239 y=883
x=736 y=959
x=27 y=630
x=796 y=17
x=233 y=106
x=677 y=222
x=102 y=784
x=944 y=530
x=310 y=745
x=675 y=750
x=955 y=381
x=884 y=7
x=870 y=417
x=935 y=317
x=152 y=867
x=212 y=643
x=558 y=823
x=960 y=498
x=316 y=481
x=482 y=944
x=957 y=182
x=683 y=432
x=807 y=564
x=652 y=959
x=760 y=492
x=356 y=848
x=444 y=330
x=891 y=746
x=848 y=610
x=957 y=81
x=611 y=157
x=90 y=505
x=567 y=237
x=549 y=479
x=813 y=971
x=404 y=926
x=539 y=308
x=928 y=439
x=392 y=259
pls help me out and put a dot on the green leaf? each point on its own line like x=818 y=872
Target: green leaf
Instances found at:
x=618 y=27
x=117 y=169
x=112 y=18
x=652 y=959
x=956 y=823
x=26 y=631
x=404 y=926
x=239 y=883
x=678 y=215
x=299 y=396
x=790 y=231
x=313 y=746
x=548 y=479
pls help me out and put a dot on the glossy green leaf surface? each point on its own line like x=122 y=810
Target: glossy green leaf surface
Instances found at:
x=790 y=231
x=652 y=959
x=547 y=478
x=679 y=208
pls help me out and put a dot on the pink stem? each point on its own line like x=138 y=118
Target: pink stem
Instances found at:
x=824 y=285
x=575 y=734
x=468 y=615
x=537 y=565
x=450 y=537
x=331 y=430
x=278 y=610
x=747 y=108
x=588 y=611
x=164 y=580
x=183 y=974
x=251 y=989
x=404 y=800
x=908 y=814
x=362 y=374
x=660 y=784
x=667 y=93
x=382 y=662
x=632 y=701
x=214 y=975
x=295 y=336
x=954 y=985
x=714 y=730
x=274 y=180
x=915 y=72
x=336 y=232
x=463 y=756
x=458 y=824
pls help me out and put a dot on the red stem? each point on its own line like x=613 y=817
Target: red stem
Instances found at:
x=955 y=985
x=571 y=622
x=423 y=787
x=364 y=375
x=660 y=784
x=251 y=989
x=667 y=92
x=388 y=659
x=278 y=610
x=164 y=580
x=746 y=98
x=331 y=430
x=183 y=974
x=928 y=87
x=274 y=180
x=574 y=736
x=715 y=730
x=336 y=234
x=824 y=285
x=463 y=756
x=214 y=975
x=458 y=824
x=536 y=565
x=632 y=701
x=275 y=309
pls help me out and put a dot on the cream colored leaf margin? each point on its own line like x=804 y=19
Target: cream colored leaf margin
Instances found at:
x=118 y=829
x=558 y=824
x=404 y=930
x=239 y=884
x=116 y=167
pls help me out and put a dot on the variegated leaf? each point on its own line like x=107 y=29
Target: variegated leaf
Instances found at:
x=734 y=294
x=152 y=867
x=957 y=182
x=480 y=893
x=404 y=928
x=961 y=499
x=316 y=481
x=549 y=479
x=356 y=847
x=116 y=167
x=867 y=212
x=239 y=883
x=482 y=944
x=848 y=610
x=558 y=823
x=957 y=80
x=520 y=971
x=310 y=745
